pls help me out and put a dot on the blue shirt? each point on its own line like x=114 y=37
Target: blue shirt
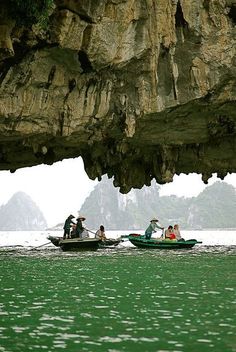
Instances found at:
x=152 y=228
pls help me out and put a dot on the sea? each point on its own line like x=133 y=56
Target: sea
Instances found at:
x=118 y=299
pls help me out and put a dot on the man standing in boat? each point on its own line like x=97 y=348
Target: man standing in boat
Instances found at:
x=152 y=228
x=67 y=226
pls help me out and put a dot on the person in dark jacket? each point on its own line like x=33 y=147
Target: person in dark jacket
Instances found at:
x=68 y=223
x=79 y=226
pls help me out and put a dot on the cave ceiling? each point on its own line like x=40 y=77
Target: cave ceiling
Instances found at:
x=140 y=90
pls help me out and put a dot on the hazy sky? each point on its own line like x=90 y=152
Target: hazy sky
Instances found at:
x=60 y=189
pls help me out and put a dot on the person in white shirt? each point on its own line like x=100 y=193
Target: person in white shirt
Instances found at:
x=177 y=232
x=101 y=233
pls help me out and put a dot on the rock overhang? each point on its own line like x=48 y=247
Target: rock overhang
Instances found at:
x=139 y=91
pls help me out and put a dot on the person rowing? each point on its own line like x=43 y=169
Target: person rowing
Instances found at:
x=154 y=225
x=81 y=231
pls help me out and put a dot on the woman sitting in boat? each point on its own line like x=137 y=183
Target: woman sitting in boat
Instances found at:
x=152 y=228
x=177 y=232
x=169 y=233
x=101 y=233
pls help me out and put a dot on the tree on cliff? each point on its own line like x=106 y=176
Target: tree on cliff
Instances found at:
x=28 y=12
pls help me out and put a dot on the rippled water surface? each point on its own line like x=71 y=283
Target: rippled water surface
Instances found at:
x=118 y=300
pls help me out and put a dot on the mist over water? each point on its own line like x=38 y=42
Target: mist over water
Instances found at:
x=122 y=299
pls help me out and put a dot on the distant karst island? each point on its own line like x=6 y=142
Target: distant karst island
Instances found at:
x=21 y=213
x=214 y=208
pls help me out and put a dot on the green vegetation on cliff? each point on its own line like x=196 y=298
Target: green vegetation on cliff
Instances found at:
x=28 y=12
x=215 y=207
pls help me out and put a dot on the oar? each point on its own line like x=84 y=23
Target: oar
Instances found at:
x=163 y=233
x=40 y=245
x=90 y=231
x=121 y=238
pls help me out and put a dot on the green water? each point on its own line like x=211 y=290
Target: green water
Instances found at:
x=122 y=300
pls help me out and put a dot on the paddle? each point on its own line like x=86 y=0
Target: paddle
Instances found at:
x=90 y=231
x=40 y=245
x=163 y=233
x=95 y=234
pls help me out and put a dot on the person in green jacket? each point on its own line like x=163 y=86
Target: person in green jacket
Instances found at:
x=79 y=226
x=67 y=226
x=152 y=228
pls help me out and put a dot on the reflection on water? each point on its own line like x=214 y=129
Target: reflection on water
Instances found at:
x=124 y=299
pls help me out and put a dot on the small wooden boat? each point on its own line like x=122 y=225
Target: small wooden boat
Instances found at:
x=75 y=244
x=141 y=242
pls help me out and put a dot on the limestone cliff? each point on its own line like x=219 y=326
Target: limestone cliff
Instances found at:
x=134 y=210
x=141 y=89
x=21 y=213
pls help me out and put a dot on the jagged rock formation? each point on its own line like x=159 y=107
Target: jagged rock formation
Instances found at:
x=140 y=89
x=21 y=214
x=215 y=207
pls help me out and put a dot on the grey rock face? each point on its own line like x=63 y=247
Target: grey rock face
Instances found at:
x=21 y=214
x=215 y=207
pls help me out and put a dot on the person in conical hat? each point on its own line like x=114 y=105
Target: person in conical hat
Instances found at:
x=82 y=218
x=79 y=225
x=152 y=228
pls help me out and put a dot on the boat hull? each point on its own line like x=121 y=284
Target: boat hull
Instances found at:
x=141 y=242
x=75 y=244
x=109 y=243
